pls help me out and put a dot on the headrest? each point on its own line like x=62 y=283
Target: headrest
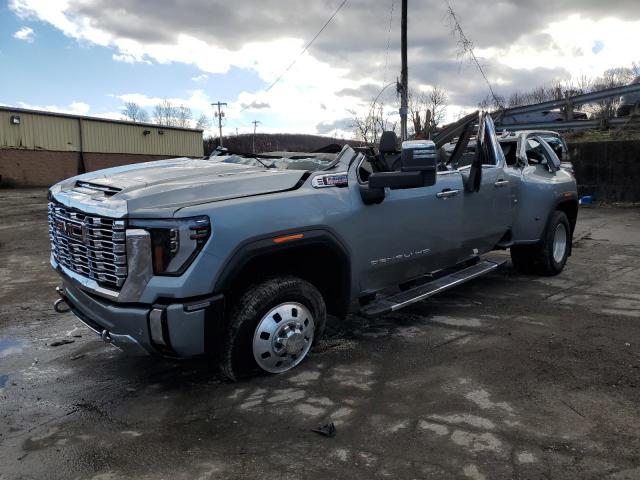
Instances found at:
x=388 y=142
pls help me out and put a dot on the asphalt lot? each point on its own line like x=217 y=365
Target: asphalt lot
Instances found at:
x=506 y=377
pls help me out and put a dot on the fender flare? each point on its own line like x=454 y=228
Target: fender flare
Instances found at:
x=566 y=198
x=262 y=246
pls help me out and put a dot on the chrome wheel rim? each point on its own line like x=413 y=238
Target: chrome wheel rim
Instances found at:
x=283 y=337
x=559 y=243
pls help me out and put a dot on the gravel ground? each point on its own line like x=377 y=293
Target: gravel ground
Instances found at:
x=506 y=377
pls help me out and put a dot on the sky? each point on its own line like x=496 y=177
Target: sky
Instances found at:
x=91 y=56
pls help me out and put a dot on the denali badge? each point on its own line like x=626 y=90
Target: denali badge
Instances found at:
x=401 y=256
x=340 y=179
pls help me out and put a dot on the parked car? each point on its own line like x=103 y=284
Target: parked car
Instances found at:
x=242 y=258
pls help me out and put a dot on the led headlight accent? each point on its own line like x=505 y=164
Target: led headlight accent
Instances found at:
x=175 y=242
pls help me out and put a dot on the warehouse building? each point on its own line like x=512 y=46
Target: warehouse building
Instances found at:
x=41 y=148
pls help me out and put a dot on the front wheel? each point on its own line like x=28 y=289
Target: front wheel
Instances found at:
x=550 y=255
x=272 y=327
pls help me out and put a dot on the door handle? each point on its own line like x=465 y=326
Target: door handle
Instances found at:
x=447 y=193
x=501 y=183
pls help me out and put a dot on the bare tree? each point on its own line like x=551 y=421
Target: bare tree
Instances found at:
x=428 y=110
x=134 y=112
x=369 y=127
x=614 y=77
x=165 y=113
x=559 y=90
x=203 y=122
x=582 y=83
x=492 y=103
x=183 y=116
x=556 y=91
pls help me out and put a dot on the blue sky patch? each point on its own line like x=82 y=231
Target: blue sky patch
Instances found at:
x=598 y=46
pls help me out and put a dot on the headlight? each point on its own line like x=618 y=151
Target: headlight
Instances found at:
x=175 y=242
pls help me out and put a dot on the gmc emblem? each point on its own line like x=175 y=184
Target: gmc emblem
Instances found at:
x=70 y=229
x=61 y=225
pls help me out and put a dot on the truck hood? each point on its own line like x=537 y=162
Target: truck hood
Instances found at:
x=162 y=187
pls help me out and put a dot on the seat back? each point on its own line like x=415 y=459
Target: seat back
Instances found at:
x=388 y=151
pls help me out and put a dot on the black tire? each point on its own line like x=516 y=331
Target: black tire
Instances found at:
x=539 y=258
x=251 y=306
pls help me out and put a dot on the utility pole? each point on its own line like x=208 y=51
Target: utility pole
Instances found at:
x=404 y=75
x=255 y=125
x=219 y=114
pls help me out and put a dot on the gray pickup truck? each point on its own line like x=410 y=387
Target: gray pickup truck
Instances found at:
x=242 y=258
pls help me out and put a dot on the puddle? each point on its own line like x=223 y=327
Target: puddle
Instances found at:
x=10 y=346
x=3 y=380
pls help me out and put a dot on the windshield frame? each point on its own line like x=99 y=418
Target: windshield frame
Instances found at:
x=269 y=162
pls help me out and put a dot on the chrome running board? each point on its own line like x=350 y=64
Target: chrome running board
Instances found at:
x=403 y=299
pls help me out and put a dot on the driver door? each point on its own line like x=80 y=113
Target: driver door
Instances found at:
x=412 y=232
x=488 y=210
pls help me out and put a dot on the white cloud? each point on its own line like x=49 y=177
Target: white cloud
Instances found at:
x=295 y=100
x=74 y=108
x=109 y=115
x=525 y=44
x=80 y=108
x=198 y=100
x=25 y=34
x=571 y=46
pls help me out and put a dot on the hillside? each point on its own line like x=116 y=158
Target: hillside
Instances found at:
x=275 y=142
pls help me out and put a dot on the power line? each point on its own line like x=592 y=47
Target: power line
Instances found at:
x=386 y=59
x=467 y=46
x=306 y=47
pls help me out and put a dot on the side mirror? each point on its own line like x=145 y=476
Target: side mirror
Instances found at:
x=420 y=156
x=419 y=169
x=378 y=181
x=396 y=180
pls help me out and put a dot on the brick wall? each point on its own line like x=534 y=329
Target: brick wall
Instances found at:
x=98 y=161
x=31 y=168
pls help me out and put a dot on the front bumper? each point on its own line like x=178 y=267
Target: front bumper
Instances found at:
x=178 y=329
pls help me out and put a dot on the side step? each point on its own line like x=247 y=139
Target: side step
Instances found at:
x=403 y=299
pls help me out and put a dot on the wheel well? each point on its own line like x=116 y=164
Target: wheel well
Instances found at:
x=570 y=208
x=321 y=265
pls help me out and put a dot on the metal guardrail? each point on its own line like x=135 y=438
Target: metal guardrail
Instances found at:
x=451 y=131
x=575 y=100
x=573 y=125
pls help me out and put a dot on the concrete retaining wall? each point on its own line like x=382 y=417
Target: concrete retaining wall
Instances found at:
x=610 y=171
x=29 y=168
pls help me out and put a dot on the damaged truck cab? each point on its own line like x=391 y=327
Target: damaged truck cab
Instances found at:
x=241 y=258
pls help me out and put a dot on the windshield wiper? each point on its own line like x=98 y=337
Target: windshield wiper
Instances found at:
x=264 y=164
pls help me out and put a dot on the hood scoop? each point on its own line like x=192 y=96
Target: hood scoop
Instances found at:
x=89 y=187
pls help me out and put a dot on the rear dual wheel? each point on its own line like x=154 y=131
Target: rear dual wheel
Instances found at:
x=273 y=327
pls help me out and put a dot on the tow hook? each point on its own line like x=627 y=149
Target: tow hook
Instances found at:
x=61 y=305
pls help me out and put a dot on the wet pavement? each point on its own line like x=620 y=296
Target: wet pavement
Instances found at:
x=509 y=376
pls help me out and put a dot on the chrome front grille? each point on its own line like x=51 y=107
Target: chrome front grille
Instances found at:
x=89 y=245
